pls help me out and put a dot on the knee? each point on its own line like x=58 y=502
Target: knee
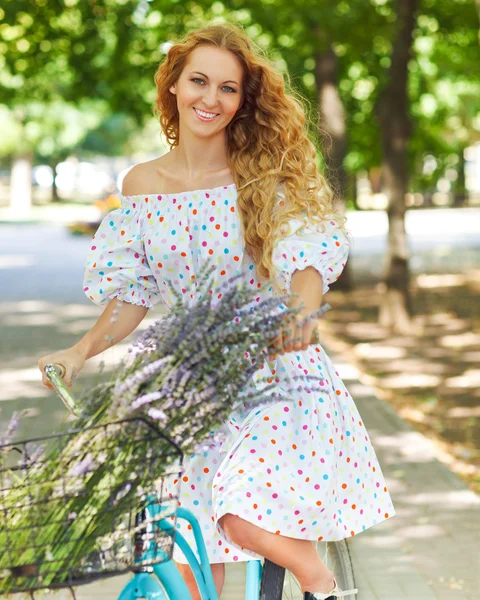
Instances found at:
x=236 y=529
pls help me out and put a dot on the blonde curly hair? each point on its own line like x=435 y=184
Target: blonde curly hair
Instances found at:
x=270 y=155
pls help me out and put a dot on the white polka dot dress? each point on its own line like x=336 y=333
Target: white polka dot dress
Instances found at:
x=303 y=467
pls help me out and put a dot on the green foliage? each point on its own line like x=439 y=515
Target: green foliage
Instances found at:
x=108 y=50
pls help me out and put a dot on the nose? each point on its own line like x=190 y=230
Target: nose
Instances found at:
x=210 y=97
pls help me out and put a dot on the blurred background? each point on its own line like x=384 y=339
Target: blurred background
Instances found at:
x=393 y=93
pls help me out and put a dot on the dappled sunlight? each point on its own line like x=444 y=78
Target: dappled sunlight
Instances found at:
x=16 y=261
x=438 y=318
x=31 y=320
x=461 y=412
x=470 y=378
x=384 y=541
x=421 y=532
x=26 y=306
x=365 y=331
x=348 y=316
x=439 y=353
x=370 y=351
x=414 y=414
x=20 y=375
x=464 y=340
x=406 y=341
x=417 y=365
x=346 y=371
x=471 y=357
x=467 y=381
x=444 y=499
x=405 y=446
x=441 y=280
x=77 y=311
x=32 y=329
x=360 y=390
x=430 y=377
x=16 y=388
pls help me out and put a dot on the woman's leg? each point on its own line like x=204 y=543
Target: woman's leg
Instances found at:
x=218 y=571
x=298 y=556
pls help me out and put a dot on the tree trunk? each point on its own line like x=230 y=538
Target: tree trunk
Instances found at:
x=393 y=114
x=332 y=121
x=53 y=165
x=332 y=134
x=21 y=185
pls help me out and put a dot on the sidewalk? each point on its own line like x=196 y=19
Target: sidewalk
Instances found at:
x=430 y=549
x=62 y=212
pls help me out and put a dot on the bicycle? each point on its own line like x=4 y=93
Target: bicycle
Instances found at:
x=152 y=533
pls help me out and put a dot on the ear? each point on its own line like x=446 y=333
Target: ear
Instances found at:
x=172 y=89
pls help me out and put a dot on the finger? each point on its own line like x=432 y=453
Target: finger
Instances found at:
x=286 y=340
x=277 y=346
x=279 y=343
x=69 y=376
x=271 y=348
x=315 y=338
x=307 y=336
x=47 y=383
x=310 y=334
x=299 y=336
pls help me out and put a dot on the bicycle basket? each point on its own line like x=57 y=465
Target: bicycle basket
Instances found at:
x=86 y=504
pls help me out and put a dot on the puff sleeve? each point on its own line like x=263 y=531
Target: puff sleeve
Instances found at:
x=305 y=246
x=116 y=264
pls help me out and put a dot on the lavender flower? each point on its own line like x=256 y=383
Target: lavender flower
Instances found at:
x=147 y=399
x=156 y=414
x=87 y=465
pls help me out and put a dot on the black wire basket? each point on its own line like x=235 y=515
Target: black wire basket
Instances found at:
x=94 y=499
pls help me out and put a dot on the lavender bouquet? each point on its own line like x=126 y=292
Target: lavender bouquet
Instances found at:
x=183 y=376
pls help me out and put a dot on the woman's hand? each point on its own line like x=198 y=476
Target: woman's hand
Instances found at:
x=295 y=335
x=72 y=359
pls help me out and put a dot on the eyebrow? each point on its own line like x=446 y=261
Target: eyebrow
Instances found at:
x=206 y=76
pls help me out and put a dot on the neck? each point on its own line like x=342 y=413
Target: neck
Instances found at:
x=196 y=156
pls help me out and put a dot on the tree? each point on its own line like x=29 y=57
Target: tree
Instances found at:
x=393 y=114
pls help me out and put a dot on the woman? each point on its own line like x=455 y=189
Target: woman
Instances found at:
x=236 y=186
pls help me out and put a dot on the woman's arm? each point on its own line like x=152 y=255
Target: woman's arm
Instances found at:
x=309 y=285
x=117 y=321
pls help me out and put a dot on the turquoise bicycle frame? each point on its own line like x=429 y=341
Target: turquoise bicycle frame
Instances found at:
x=167 y=582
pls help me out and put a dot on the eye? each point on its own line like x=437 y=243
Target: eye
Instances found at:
x=227 y=87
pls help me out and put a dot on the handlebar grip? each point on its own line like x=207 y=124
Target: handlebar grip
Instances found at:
x=55 y=374
x=61 y=370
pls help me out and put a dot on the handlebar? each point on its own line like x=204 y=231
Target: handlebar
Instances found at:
x=55 y=373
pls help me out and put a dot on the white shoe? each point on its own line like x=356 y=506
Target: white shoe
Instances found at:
x=335 y=593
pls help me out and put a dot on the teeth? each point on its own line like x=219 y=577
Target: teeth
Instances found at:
x=204 y=114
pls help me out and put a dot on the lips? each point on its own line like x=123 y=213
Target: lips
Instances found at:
x=203 y=117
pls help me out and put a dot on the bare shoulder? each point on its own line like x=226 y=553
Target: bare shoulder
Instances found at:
x=143 y=178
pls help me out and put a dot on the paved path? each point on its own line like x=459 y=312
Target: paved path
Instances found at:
x=430 y=549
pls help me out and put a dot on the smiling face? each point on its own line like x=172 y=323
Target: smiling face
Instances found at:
x=209 y=90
